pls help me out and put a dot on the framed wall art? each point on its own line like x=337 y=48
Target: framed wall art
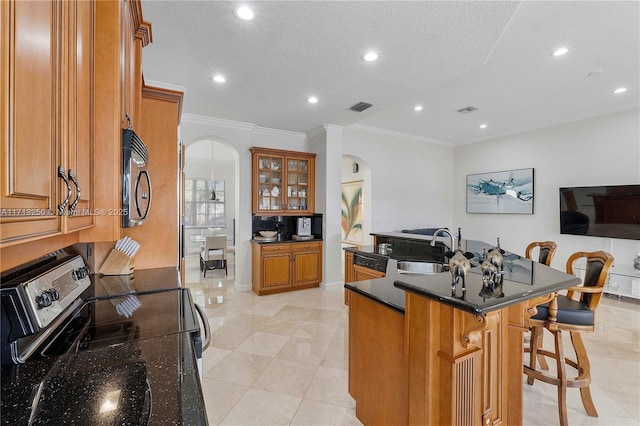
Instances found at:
x=352 y=212
x=509 y=191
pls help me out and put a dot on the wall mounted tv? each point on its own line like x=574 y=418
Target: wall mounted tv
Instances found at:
x=601 y=211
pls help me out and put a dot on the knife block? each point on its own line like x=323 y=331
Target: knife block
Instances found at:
x=117 y=263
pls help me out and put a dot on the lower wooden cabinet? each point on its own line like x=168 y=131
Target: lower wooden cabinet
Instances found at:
x=286 y=266
x=353 y=273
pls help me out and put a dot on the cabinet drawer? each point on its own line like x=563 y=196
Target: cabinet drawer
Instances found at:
x=296 y=247
x=275 y=248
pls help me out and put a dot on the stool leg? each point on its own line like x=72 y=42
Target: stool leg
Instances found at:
x=584 y=372
x=533 y=346
x=541 y=358
x=562 y=377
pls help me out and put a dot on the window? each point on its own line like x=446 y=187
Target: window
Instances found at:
x=199 y=207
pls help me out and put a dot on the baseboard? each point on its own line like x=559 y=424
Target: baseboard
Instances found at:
x=332 y=286
x=242 y=287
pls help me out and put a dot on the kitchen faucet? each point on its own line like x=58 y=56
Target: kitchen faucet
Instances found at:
x=443 y=230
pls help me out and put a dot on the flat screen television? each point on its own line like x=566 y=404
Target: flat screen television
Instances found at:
x=601 y=211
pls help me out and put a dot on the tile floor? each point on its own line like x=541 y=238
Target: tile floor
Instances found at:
x=282 y=359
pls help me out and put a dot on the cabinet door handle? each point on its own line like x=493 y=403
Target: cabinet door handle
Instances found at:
x=63 y=205
x=72 y=207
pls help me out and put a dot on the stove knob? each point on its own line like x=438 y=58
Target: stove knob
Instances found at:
x=80 y=273
x=44 y=300
x=53 y=293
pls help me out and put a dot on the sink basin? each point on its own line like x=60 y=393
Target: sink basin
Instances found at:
x=421 y=267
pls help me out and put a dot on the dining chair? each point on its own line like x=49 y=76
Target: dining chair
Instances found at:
x=546 y=251
x=215 y=250
x=576 y=316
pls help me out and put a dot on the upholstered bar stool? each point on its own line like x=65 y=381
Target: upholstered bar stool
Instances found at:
x=564 y=313
x=545 y=255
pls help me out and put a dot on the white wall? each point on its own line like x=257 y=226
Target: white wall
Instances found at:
x=599 y=151
x=411 y=179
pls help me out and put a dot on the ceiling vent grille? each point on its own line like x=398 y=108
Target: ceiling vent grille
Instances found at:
x=467 y=110
x=360 y=106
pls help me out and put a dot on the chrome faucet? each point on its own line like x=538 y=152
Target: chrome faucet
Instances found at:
x=443 y=230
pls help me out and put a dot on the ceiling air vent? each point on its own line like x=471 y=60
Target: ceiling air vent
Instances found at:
x=467 y=110
x=360 y=106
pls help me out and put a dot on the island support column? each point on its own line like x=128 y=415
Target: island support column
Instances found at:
x=464 y=369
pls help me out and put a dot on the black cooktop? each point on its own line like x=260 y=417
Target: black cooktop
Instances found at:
x=124 y=359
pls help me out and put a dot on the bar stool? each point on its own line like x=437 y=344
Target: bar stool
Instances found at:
x=563 y=313
x=547 y=250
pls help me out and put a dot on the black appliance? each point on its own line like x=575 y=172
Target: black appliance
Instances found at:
x=601 y=211
x=370 y=262
x=112 y=356
x=136 y=184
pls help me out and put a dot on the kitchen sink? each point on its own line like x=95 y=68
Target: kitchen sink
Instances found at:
x=406 y=267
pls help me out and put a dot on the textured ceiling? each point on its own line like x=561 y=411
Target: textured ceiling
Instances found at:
x=493 y=55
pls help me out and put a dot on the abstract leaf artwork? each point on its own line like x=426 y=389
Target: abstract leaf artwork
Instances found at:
x=509 y=191
x=352 y=212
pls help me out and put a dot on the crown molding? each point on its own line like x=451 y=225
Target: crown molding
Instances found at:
x=219 y=122
x=394 y=133
x=266 y=131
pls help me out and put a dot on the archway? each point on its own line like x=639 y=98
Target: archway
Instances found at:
x=210 y=193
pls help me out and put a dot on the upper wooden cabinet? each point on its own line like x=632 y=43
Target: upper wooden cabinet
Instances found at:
x=46 y=118
x=283 y=182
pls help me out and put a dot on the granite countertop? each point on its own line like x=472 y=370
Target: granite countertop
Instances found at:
x=523 y=279
x=286 y=240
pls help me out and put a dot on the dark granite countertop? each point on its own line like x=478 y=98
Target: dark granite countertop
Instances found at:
x=284 y=241
x=523 y=280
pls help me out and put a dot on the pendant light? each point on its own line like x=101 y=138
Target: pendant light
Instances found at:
x=213 y=180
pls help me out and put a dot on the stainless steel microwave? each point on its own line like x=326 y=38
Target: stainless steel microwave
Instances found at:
x=136 y=184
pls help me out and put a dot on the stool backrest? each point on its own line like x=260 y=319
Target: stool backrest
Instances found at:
x=547 y=250
x=596 y=274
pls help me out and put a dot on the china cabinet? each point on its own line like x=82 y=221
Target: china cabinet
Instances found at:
x=283 y=182
x=286 y=266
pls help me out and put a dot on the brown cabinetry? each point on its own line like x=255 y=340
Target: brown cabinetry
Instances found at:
x=46 y=118
x=353 y=273
x=286 y=266
x=283 y=182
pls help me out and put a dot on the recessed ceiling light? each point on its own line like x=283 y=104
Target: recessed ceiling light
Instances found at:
x=560 y=51
x=620 y=90
x=219 y=78
x=417 y=108
x=483 y=126
x=245 y=13
x=312 y=100
x=370 y=56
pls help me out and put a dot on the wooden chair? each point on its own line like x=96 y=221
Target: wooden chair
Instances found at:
x=215 y=250
x=545 y=255
x=564 y=313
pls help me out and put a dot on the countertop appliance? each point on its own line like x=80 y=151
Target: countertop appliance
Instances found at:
x=136 y=183
x=303 y=227
x=112 y=356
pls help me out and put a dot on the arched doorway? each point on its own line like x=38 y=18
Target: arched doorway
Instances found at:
x=210 y=196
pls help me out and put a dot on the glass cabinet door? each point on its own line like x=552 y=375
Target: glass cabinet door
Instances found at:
x=297 y=183
x=270 y=175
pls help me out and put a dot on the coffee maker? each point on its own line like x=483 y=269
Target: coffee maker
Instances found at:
x=303 y=227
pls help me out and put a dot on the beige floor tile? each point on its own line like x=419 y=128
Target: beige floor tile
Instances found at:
x=325 y=317
x=264 y=344
x=280 y=325
x=304 y=350
x=314 y=413
x=229 y=337
x=341 y=335
x=212 y=356
x=249 y=321
x=219 y=398
x=337 y=356
x=330 y=385
x=258 y=407
x=239 y=368
x=316 y=331
x=294 y=313
x=286 y=377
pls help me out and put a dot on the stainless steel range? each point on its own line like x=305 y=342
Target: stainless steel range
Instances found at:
x=92 y=349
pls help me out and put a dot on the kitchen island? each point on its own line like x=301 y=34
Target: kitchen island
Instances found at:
x=422 y=354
